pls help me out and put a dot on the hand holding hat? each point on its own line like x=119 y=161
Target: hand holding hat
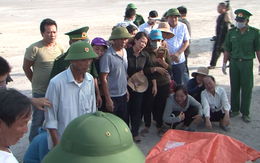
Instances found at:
x=138 y=82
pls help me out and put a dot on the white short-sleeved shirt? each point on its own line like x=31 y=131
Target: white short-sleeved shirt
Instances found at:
x=147 y=28
x=174 y=44
x=69 y=100
x=214 y=103
x=126 y=23
x=6 y=157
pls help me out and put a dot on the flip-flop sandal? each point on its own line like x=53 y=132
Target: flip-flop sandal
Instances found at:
x=144 y=132
x=201 y=125
x=137 y=139
x=225 y=128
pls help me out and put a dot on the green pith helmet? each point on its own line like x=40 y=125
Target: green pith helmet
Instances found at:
x=96 y=138
x=173 y=12
x=78 y=34
x=131 y=5
x=80 y=50
x=242 y=15
x=119 y=33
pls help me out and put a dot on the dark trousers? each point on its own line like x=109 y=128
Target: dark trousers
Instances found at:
x=241 y=78
x=157 y=104
x=120 y=107
x=216 y=116
x=189 y=113
x=178 y=72
x=135 y=108
x=37 y=119
x=215 y=54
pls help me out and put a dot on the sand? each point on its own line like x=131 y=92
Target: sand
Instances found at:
x=20 y=21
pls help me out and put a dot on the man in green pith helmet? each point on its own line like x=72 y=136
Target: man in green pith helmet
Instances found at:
x=60 y=64
x=241 y=44
x=113 y=74
x=96 y=138
x=138 y=18
x=71 y=92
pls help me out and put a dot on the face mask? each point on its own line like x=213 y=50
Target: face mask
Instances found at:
x=240 y=25
x=155 y=45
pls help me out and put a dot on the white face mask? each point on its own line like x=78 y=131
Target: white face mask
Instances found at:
x=155 y=45
x=240 y=25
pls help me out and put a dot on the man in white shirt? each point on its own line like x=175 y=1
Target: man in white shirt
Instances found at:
x=177 y=44
x=71 y=93
x=148 y=26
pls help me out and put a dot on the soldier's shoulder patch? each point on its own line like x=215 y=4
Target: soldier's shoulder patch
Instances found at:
x=255 y=29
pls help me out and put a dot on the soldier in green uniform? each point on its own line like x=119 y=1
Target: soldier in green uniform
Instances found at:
x=241 y=44
x=96 y=138
x=138 y=18
x=60 y=64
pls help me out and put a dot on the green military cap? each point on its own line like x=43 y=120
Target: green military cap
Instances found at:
x=119 y=33
x=96 y=138
x=78 y=34
x=80 y=50
x=131 y=5
x=242 y=15
x=173 y=12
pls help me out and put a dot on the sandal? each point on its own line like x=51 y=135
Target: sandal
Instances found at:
x=225 y=128
x=144 y=132
x=160 y=132
x=137 y=139
x=201 y=125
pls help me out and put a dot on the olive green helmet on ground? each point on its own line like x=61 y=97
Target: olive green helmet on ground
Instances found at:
x=80 y=50
x=119 y=33
x=96 y=138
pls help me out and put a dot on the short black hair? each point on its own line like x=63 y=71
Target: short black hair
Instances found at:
x=182 y=10
x=129 y=13
x=4 y=66
x=183 y=88
x=130 y=28
x=153 y=14
x=223 y=4
x=13 y=104
x=209 y=76
x=47 y=22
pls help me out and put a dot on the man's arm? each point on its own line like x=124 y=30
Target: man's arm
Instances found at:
x=104 y=86
x=98 y=97
x=54 y=137
x=27 y=68
x=175 y=56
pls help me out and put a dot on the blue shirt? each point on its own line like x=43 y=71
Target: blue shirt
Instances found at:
x=194 y=90
x=37 y=149
x=116 y=68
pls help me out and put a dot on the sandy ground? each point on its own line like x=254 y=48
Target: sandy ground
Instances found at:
x=20 y=21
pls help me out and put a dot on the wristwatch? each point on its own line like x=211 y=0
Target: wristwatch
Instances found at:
x=154 y=70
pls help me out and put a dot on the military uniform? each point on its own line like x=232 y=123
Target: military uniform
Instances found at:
x=242 y=48
x=60 y=64
x=139 y=20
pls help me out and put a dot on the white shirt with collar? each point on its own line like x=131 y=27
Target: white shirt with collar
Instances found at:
x=69 y=100
x=214 y=103
x=126 y=23
x=174 y=44
x=147 y=28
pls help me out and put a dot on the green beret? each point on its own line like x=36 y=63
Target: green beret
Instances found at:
x=131 y=5
x=80 y=50
x=242 y=15
x=173 y=12
x=119 y=33
x=78 y=34
x=96 y=138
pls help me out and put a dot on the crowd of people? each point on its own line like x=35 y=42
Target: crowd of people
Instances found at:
x=131 y=76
